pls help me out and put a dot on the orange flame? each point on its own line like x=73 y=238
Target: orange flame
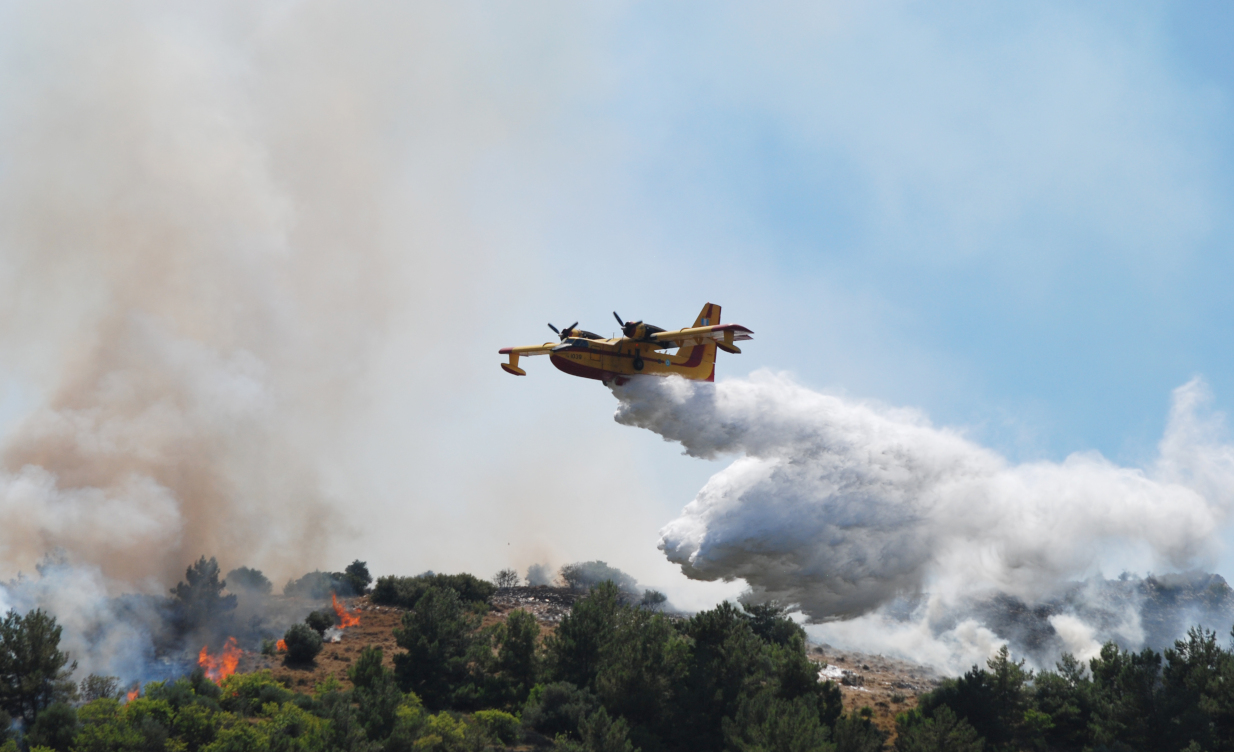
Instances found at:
x=345 y=619
x=223 y=665
x=132 y=695
x=281 y=645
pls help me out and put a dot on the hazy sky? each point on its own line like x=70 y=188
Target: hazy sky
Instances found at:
x=1014 y=218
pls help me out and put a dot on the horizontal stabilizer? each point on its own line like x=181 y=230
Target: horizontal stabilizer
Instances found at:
x=525 y=351
x=723 y=335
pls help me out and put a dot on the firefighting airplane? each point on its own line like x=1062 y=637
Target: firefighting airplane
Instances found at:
x=582 y=353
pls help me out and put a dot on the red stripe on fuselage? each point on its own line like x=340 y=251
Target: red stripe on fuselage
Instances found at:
x=574 y=368
x=578 y=369
x=696 y=357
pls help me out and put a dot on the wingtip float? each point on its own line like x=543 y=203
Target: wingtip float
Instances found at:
x=640 y=349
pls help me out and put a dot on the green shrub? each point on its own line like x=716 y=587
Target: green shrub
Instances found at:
x=405 y=592
x=376 y=693
x=441 y=647
x=353 y=580
x=246 y=694
x=357 y=577
x=33 y=670
x=506 y=578
x=857 y=733
x=303 y=644
x=317 y=585
x=771 y=623
x=918 y=733
x=575 y=651
x=518 y=664
x=198 y=600
x=765 y=721
x=653 y=599
x=600 y=733
x=195 y=724
x=500 y=725
x=94 y=687
x=251 y=580
x=54 y=727
x=320 y=621
x=585 y=575
x=470 y=589
x=558 y=708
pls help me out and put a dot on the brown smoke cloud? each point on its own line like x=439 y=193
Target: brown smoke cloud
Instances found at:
x=209 y=218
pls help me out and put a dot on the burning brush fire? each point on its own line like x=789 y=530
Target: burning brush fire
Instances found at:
x=222 y=665
x=345 y=618
x=219 y=667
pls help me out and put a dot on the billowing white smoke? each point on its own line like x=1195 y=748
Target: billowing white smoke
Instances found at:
x=844 y=508
x=103 y=635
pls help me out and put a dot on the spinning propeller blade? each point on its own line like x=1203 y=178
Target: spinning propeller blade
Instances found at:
x=563 y=333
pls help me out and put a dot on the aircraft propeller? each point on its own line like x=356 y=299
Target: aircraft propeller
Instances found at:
x=563 y=333
x=628 y=328
x=637 y=329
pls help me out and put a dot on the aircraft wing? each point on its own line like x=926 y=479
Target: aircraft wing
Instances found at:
x=722 y=334
x=529 y=350
x=525 y=351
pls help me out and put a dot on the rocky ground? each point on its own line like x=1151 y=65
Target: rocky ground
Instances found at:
x=549 y=605
x=885 y=685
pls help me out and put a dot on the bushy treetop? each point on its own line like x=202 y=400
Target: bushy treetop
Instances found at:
x=199 y=598
x=353 y=580
x=585 y=575
x=405 y=592
x=251 y=580
x=34 y=672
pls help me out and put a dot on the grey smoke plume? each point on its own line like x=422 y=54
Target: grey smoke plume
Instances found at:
x=107 y=636
x=162 y=268
x=211 y=218
x=849 y=509
x=540 y=574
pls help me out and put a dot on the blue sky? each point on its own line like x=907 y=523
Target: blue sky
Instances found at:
x=1017 y=217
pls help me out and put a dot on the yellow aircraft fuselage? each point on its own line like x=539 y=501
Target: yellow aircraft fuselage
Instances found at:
x=611 y=359
x=644 y=353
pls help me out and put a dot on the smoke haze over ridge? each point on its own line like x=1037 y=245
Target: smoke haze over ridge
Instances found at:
x=844 y=508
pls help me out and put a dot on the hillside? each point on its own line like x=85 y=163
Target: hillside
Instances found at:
x=884 y=685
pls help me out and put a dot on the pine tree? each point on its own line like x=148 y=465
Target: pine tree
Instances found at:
x=33 y=672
